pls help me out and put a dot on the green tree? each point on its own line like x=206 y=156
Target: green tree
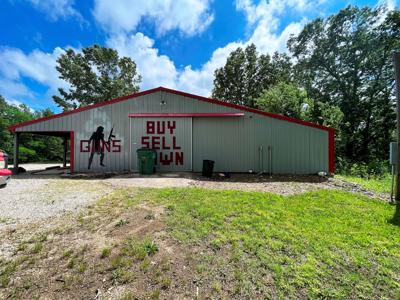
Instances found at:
x=246 y=74
x=32 y=147
x=97 y=74
x=345 y=60
x=288 y=100
x=291 y=101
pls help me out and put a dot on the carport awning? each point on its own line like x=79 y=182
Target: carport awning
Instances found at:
x=65 y=134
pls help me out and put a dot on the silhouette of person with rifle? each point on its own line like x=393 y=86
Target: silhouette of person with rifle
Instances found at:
x=97 y=144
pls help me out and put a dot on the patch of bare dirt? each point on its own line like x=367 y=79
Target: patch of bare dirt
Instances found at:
x=72 y=263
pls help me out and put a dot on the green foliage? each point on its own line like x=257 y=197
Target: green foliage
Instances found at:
x=106 y=252
x=32 y=147
x=288 y=100
x=343 y=62
x=372 y=169
x=97 y=74
x=246 y=74
x=121 y=223
x=346 y=60
x=292 y=101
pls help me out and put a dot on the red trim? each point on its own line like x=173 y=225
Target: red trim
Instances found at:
x=162 y=89
x=12 y=128
x=331 y=151
x=71 y=151
x=181 y=115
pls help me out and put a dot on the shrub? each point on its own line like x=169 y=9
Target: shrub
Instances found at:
x=373 y=169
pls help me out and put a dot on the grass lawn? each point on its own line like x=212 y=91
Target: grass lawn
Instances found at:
x=323 y=244
x=381 y=185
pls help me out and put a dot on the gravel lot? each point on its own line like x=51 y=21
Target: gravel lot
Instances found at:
x=29 y=198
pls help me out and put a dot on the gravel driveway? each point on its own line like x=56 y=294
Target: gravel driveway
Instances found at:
x=28 y=198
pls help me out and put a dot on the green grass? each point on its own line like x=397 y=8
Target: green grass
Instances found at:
x=380 y=185
x=319 y=244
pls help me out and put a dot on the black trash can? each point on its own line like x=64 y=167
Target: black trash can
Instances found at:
x=208 y=167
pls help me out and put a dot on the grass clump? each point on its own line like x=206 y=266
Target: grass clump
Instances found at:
x=67 y=253
x=127 y=296
x=375 y=184
x=139 y=249
x=106 y=252
x=37 y=248
x=121 y=223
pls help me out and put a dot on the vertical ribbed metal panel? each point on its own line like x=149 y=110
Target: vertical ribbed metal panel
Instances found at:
x=234 y=143
x=175 y=149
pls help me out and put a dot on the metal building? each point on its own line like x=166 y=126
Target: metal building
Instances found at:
x=185 y=129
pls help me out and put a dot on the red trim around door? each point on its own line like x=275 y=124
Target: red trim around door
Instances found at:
x=181 y=115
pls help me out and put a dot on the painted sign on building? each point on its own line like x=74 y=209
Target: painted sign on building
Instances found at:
x=97 y=145
x=160 y=136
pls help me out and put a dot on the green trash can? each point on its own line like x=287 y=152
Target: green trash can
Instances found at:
x=146 y=159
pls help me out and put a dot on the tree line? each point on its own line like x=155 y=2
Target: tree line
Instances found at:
x=337 y=72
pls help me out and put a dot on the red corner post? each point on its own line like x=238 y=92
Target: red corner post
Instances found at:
x=331 y=151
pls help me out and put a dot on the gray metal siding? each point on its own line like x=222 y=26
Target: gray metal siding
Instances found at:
x=182 y=134
x=233 y=142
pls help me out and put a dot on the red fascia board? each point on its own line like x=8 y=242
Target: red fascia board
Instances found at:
x=12 y=128
x=182 y=115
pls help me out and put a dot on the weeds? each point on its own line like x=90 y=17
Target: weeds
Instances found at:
x=105 y=252
x=121 y=223
x=37 y=248
x=67 y=253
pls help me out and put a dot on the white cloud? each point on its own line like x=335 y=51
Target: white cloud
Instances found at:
x=37 y=65
x=155 y=69
x=15 y=66
x=12 y=88
x=201 y=81
x=188 y=16
x=56 y=9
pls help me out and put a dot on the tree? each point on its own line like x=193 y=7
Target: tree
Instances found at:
x=291 y=101
x=345 y=60
x=286 y=99
x=32 y=147
x=97 y=74
x=246 y=74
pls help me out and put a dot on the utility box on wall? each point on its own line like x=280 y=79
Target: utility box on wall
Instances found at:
x=393 y=153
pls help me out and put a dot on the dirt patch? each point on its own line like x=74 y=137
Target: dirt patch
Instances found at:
x=97 y=256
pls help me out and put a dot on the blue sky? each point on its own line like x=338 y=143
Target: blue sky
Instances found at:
x=175 y=43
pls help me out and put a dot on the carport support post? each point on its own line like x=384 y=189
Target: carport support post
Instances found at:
x=65 y=152
x=16 y=152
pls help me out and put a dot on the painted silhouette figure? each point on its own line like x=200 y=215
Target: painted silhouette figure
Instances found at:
x=97 y=145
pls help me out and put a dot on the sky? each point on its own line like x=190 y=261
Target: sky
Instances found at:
x=175 y=43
